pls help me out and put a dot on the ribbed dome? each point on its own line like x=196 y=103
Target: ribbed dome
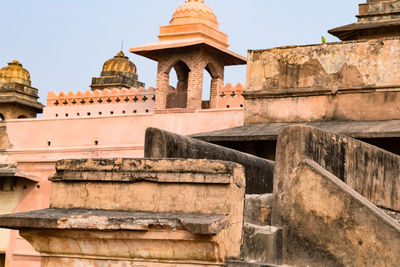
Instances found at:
x=120 y=63
x=194 y=11
x=14 y=72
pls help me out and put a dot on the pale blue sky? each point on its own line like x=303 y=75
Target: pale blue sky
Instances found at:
x=63 y=43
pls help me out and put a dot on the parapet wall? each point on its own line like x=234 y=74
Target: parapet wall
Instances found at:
x=337 y=81
x=113 y=96
x=231 y=96
x=115 y=101
x=100 y=102
x=326 y=189
x=372 y=172
x=163 y=144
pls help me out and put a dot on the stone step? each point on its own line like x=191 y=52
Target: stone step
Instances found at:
x=262 y=244
x=257 y=209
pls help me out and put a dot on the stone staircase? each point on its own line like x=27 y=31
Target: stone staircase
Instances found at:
x=262 y=243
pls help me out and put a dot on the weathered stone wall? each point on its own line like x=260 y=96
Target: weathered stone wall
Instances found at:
x=372 y=172
x=163 y=144
x=335 y=81
x=329 y=224
x=325 y=220
x=124 y=211
x=378 y=10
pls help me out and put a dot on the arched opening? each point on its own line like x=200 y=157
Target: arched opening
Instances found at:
x=177 y=95
x=206 y=92
x=1 y=117
x=22 y=117
x=211 y=82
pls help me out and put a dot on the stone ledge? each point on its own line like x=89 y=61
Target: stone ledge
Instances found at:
x=151 y=170
x=86 y=219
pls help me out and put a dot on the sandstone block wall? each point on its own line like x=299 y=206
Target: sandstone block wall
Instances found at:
x=325 y=221
x=144 y=211
x=372 y=172
x=329 y=224
x=163 y=144
x=335 y=81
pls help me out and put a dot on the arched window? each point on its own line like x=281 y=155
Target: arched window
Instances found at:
x=2 y=117
x=177 y=95
x=206 y=92
x=22 y=117
x=211 y=81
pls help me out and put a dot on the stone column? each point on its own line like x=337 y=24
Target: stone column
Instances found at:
x=162 y=89
x=195 y=87
x=216 y=85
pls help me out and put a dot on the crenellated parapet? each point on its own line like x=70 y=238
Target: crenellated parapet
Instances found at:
x=231 y=96
x=114 y=102
x=106 y=96
x=117 y=102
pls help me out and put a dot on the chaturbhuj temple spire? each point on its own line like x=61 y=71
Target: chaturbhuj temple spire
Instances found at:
x=376 y=19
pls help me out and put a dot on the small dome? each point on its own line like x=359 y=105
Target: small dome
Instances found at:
x=194 y=11
x=14 y=72
x=120 y=63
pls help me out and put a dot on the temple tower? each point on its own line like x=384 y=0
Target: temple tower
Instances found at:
x=190 y=44
x=118 y=72
x=18 y=99
x=376 y=19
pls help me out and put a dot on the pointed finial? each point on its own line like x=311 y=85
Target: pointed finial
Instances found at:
x=122 y=44
x=15 y=63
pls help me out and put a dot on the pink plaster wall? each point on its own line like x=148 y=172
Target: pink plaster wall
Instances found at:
x=117 y=136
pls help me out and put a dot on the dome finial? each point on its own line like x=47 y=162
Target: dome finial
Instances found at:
x=15 y=63
x=120 y=54
x=201 y=1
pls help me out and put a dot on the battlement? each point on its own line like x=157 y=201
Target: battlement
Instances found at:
x=106 y=96
x=116 y=102
x=105 y=102
x=231 y=96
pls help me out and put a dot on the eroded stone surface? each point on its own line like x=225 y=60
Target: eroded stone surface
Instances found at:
x=262 y=244
x=83 y=219
x=372 y=172
x=258 y=208
x=336 y=81
x=173 y=211
x=164 y=144
x=321 y=211
x=154 y=246
x=326 y=222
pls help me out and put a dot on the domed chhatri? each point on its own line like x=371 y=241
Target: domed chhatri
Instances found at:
x=193 y=23
x=118 y=72
x=195 y=11
x=190 y=44
x=15 y=73
x=18 y=99
x=119 y=63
